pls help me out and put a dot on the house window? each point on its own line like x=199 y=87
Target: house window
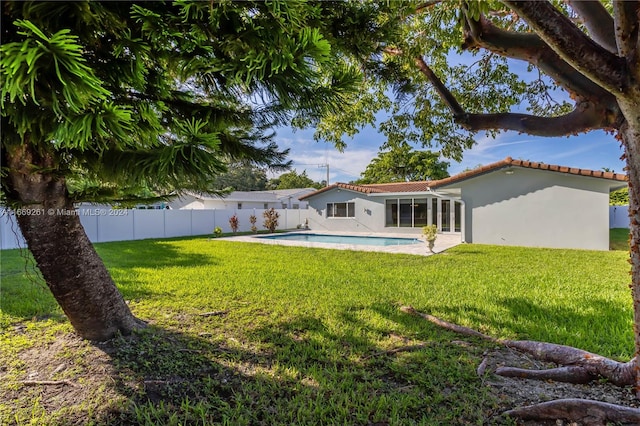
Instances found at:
x=266 y=206
x=239 y=206
x=296 y=206
x=341 y=209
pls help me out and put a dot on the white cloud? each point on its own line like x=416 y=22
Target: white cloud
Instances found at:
x=343 y=166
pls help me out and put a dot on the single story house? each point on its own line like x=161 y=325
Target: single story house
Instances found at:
x=238 y=200
x=510 y=202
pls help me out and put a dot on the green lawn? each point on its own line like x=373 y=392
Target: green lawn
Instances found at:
x=298 y=333
x=619 y=239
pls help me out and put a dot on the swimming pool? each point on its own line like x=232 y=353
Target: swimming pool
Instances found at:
x=344 y=239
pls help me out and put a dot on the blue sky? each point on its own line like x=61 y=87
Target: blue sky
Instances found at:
x=593 y=150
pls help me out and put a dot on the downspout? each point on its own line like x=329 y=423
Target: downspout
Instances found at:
x=462 y=221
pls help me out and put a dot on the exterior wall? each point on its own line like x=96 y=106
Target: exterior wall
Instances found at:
x=186 y=202
x=369 y=212
x=233 y=205
x=537 y=208
x=290 y=202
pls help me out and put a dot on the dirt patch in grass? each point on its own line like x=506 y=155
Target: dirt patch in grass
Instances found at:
x=70 y=381
x=66 y=381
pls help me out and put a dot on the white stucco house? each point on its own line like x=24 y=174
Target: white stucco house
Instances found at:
x=510 y=202
x=238 y=200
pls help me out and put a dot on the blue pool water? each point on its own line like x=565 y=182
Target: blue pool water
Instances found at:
x=344 y=239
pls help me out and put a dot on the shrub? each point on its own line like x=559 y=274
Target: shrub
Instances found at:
x=430 y=233
x=271 y=219
x=234 y=223
x=217 y=231
x=252 y=220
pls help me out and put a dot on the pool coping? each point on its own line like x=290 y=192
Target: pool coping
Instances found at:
x=443 y=242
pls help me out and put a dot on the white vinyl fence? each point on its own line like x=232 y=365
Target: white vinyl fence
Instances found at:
x=618 y=216
x=103 y=225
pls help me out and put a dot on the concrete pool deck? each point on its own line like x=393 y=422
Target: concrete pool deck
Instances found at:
x=443 y=242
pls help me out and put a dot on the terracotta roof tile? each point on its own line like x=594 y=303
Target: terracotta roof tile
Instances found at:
x=423 y=186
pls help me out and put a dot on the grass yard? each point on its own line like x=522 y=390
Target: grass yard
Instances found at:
x=257 y=334
x=619 y=239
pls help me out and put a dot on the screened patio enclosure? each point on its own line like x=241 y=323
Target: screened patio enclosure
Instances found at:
x=445 y=213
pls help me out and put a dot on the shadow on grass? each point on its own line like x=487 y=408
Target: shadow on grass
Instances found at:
x=25 y=294
x=151 y=254
x=619 y=239
x=589 y=326
x=302 y=371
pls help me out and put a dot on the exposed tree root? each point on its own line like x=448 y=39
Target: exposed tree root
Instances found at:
x=482 y=367
x=570 y=374
x=408 y=348
x=578 y=366
x=585 y=411
x=575 y=366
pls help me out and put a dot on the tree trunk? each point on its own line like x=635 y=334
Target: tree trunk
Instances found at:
x=630 y=135
x=72 y=269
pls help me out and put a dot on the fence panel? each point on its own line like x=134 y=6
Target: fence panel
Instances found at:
x=618 y=216
x=118 y=227
x=102 y=225
x=202 y=222
x=147 y=224
x=10 y=235
x=177 y=223
x=90 y=225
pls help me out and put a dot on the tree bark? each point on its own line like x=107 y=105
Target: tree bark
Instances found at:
x=585 y=411
x=72 y=269
x=630 y=135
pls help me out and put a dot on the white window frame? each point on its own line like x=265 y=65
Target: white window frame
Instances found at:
x=333 y=210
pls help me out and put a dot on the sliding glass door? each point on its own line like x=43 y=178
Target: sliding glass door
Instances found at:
x=445 y=213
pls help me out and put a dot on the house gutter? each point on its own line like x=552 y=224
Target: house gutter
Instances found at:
x=409 y=194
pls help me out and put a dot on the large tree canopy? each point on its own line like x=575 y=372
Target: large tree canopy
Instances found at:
x=105 y=100
x=446 y=74
x=293 y=180
x=403 y=164
x=241 y=176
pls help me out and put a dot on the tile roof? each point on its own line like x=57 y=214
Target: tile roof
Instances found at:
x=258 y=196
x=424 y=186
